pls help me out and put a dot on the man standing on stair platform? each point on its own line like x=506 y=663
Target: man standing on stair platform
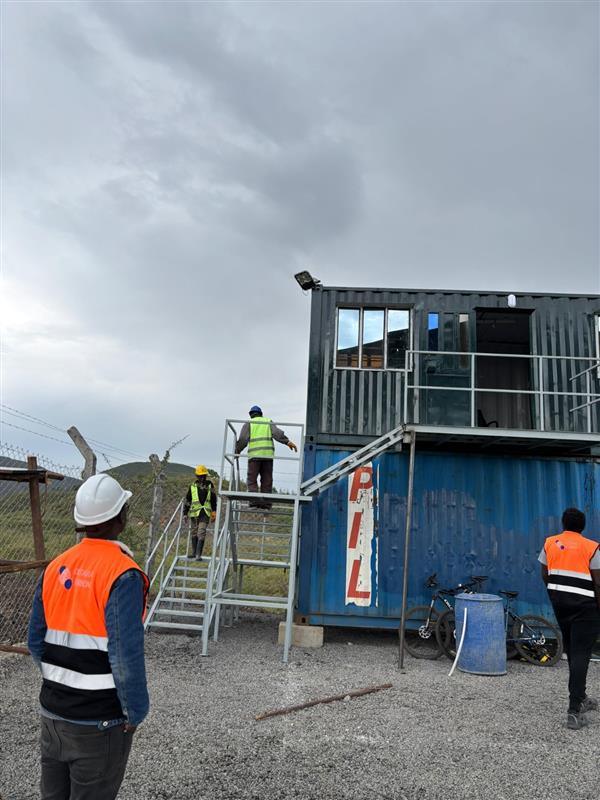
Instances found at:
x=200 y=506
x=258 y=435
x=86 y=635
x=571 y=572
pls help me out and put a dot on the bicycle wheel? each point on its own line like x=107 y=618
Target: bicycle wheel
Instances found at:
x=445 y=633
x=419 y=637
x=537 y=640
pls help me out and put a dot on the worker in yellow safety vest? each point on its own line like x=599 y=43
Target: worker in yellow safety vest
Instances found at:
x=258 y=435
x=200 y=506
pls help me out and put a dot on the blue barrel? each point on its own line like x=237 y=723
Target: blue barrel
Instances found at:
x=484 y=648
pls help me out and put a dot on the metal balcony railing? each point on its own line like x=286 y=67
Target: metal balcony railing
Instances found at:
x=539 y=393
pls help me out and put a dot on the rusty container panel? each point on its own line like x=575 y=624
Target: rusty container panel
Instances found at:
x=472 y=515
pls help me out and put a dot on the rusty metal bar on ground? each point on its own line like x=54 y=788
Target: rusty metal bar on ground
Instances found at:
x=332 y=699
x=14 y=648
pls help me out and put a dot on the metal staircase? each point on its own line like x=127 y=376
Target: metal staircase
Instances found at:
x=191 y=594
x=180 y=582
x=254 y=542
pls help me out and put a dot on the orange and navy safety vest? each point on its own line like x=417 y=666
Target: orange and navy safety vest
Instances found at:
x=568 y=557
x=77 y=678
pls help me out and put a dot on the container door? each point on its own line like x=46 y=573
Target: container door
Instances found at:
x=507 y=332
x=444 y=370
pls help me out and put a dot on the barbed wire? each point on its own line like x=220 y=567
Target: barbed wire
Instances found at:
x=17 y=453
x=22 y=415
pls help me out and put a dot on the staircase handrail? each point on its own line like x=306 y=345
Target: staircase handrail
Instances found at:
x=345 y=465
x=163 y=538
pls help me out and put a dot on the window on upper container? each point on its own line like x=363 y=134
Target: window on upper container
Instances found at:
x=398 y=337
x=372 y=338
x=348 y=337
x=433 y=331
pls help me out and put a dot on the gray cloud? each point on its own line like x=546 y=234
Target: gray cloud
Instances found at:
x=168 y=166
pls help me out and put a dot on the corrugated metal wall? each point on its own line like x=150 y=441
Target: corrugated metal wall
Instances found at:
x=351 y=403
x=472 y=515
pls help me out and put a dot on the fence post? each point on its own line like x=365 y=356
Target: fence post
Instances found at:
x=157 y=499
x=36 y=511
x=86 y=451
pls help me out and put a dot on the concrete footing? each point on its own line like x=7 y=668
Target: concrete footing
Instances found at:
x=303 y=635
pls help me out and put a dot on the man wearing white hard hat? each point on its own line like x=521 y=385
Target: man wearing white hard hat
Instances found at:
x=86 y=634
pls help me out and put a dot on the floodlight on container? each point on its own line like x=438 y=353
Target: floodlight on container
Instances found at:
x=306 y=281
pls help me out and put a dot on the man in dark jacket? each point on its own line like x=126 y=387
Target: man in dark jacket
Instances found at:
x=571 y=572
x=86 y=635
x=200 y=507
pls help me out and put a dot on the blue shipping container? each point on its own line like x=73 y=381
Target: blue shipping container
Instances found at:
x=472 y=515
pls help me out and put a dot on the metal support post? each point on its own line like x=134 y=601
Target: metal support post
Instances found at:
x=409 y=504
x=541 y=391
x=472 y=390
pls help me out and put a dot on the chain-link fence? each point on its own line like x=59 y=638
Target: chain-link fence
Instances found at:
x=16 y=535
x=57 y=499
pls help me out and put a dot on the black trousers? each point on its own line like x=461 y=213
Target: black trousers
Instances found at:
x=580 y=629
x=264 y=468
x=81 y=762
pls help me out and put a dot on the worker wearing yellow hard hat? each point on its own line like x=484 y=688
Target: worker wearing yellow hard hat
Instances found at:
x=200 y=506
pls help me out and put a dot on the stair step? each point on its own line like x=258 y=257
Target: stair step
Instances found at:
x=190 y=578
x=185 y=590
x=175 y=613
x=182 y=626
x=186 y=601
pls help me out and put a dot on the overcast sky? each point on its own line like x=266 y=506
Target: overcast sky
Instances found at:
x=167 y=167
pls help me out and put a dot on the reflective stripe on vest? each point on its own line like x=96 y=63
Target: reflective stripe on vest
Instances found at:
x=261 y=442
x=196 y=506
x=77 y=678
x=76 y=641
x=568 y=556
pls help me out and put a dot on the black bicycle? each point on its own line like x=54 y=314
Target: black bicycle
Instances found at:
x=534 y=639
x=420 y=629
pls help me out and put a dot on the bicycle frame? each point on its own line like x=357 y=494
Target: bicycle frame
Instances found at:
x=511 y=615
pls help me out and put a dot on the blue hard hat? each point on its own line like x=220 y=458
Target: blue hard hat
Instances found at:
x=255 y=410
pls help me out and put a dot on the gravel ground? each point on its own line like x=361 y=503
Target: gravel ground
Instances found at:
x=427 y=738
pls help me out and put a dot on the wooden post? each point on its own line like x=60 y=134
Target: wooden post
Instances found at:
x=157 y=498
x=86 y=451
x=36 y=511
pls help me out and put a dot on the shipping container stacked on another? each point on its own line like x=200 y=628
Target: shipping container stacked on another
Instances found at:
x=493 y=470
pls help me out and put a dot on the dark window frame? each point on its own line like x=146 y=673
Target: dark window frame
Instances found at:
x=373 y=307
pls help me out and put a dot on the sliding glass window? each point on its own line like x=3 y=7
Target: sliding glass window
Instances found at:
x=372 y=338
x=348 y=337
x=372 y=349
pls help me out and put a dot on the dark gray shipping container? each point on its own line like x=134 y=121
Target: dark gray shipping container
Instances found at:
x=353 y=401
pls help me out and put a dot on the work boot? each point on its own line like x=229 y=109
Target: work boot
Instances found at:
x=589 y=704
x=199 y=549
x=576 y=720
x=193 y=546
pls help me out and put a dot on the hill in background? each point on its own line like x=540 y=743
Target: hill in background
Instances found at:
x=137 y=468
